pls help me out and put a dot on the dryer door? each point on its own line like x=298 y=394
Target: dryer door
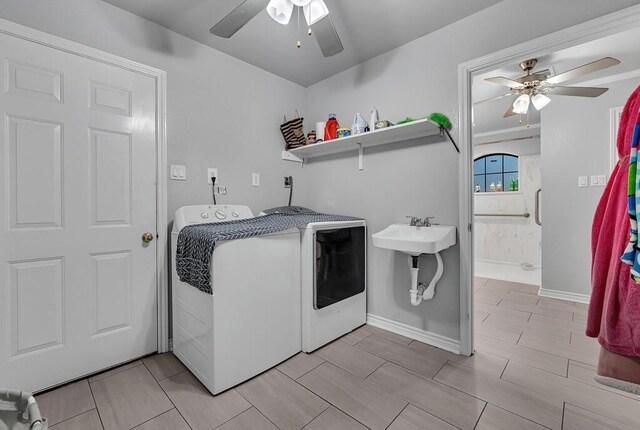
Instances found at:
x=339 y=265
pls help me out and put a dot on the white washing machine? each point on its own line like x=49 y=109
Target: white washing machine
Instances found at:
x=252 y=321
x=334 y=281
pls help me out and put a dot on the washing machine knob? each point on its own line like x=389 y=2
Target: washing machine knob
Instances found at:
x=235 y=214
x=204 y=215
x=220 y=214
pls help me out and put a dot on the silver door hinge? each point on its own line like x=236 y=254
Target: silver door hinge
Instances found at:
x=469 y=226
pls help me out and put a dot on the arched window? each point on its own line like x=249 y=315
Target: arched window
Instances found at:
x=501 y=170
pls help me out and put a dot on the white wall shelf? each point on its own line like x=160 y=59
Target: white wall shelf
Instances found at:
x=396 y=133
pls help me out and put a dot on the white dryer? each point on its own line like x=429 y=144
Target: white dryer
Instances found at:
x=334 y=280
x=252 y=321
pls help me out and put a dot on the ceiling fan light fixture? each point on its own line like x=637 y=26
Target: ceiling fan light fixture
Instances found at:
x=315 y=11
x=521 y=105
x=539 y=101
x=280 y=11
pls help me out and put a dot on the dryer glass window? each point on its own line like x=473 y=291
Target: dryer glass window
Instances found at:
x=339 y=265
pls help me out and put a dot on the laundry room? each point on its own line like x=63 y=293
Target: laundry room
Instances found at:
x=263 y=214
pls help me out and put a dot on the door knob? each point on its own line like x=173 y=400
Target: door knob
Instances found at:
x=147 y=237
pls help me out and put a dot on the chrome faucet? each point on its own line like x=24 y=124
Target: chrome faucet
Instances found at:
x=419 y=222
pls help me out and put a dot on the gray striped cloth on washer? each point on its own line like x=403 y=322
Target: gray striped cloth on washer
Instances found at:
x=196 y=243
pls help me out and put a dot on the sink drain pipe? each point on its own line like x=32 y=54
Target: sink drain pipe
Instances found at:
x=419 y=291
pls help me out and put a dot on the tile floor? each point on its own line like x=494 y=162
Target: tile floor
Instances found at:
x=533 y=370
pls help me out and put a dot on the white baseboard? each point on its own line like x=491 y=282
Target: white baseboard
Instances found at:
x=439 y=341
x=563 y=295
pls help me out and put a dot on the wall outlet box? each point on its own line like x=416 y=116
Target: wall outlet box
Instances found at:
x=255 y=179
x=178 y=172
x=212 y=172
x=221 y=190
x=582 y=181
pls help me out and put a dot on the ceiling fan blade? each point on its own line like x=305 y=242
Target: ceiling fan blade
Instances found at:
x=230 y=24
x=327 y=37
x=509 y=112
x=500 y=80
x=495 y=98
x=578 y=91
x=585 y=69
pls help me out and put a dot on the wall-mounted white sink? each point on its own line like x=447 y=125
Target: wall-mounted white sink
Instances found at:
x=415 y=240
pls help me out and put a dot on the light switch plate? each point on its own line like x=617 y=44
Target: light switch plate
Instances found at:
x=602 y=180
x=178 y=172
x=593 y=180
x=212 y=172
x=255 y=179
x=582 y=181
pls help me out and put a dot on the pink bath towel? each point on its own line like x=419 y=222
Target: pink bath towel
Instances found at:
x=614 y=311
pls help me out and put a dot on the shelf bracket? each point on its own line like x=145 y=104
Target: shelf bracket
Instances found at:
x=286 y=155
x=443 y=131
x=360 y=157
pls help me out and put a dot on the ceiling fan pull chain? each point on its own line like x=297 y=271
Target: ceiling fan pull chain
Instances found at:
x=298 y=45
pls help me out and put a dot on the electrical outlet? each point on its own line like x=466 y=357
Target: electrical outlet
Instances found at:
x=212 y=172
x=582 y=181
x=221 y=190
x=288 y=181
x=255 y=179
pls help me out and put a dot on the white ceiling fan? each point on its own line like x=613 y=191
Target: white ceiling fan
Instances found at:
x=315 y=12
x=534 y=88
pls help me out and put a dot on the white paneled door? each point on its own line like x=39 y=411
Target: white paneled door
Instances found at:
x=78 y=169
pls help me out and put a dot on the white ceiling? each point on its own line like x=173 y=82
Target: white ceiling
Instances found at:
x=367 y=29
x=623 y=46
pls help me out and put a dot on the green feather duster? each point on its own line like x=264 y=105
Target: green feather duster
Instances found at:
x=441 y=120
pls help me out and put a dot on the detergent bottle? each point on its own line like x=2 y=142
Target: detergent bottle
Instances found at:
x=331 y=128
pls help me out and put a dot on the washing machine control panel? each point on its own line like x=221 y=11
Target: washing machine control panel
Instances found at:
x=189 y=215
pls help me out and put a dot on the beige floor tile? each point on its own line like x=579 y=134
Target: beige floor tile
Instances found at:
x=545 y=321
x=164 y=365
x=424 y=364
x=480 y=360
x=115 y=370
x=396 y=338
x=498 y=285
x=582 y=372
x=251 y=419
x=412 y=418
x=433 y=397
x=129 y=398
x=363 y=400
x=559 y=305
x=66 y=402
x=580 y=320
x=496 y=332
x=87 y=421
x=480 y=316
x=504 y=312
x=522 y=354
x=556 y=333
x=353 y=360
x=171 y=420
x=300 y=364
x=522 y=297
x=558 y=390
x=494 y=418
x=535 y=309
x=201 y=409
x=283 y=401
x=357 y=335
x=489 y=298
x=576 y=418
x=575 y=351
x=514 y=398
x=334 y=419
x=479 y=282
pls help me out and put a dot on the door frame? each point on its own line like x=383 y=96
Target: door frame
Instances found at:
x=36 y=36
x=597 y=28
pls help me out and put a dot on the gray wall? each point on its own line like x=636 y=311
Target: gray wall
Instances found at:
x=417 y=179
x=575 y=142
x=221 y=112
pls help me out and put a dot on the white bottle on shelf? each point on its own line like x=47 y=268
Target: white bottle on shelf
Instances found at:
x=374 y=119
